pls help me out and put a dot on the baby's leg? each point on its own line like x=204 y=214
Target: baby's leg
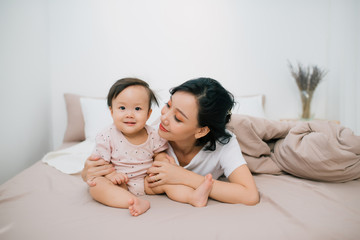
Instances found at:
x=138 y=206
x=197 y=197
x=185 y=194
x=113 y=195
x=154 y=190
x=200 y=196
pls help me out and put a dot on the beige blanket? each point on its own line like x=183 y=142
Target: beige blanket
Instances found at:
x=316 y=150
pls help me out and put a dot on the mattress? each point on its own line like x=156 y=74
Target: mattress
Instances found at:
x=307 y=176
x=44 y=203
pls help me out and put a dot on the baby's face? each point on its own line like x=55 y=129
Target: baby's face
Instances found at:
x=130 y=110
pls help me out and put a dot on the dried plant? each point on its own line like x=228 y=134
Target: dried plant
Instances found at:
x=307 y=80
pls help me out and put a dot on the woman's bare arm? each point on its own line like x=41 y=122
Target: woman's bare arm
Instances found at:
x=241 y=187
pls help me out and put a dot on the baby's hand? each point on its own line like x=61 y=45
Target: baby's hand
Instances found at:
x=117 y=178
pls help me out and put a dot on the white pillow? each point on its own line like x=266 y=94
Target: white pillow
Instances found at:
x=96 y=116
x=250 y=105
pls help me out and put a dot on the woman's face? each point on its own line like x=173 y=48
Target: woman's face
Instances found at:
x=179 y=118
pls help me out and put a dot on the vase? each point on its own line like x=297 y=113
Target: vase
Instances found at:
x=306 y=97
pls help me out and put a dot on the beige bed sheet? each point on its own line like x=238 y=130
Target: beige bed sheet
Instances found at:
x=43 y=203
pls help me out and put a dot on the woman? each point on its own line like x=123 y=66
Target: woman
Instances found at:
x=193 y=122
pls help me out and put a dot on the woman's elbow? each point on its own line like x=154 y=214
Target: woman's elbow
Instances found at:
x=254 y=198
x=251 y=199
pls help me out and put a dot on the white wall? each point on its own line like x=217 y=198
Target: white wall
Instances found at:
x=357 y=64
x=243 y=44
x=83 y=46
x=344 y=80
x=25 y=84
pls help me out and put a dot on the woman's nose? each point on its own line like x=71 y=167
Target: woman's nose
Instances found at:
x=164 y=116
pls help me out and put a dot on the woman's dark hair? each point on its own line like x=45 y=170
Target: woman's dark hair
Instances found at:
x=123 y=83
x=215 y=104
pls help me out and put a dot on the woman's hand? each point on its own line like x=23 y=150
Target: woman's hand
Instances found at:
x=163 y=172
x=95 y=167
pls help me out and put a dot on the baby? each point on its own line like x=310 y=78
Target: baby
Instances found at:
x=130 y=145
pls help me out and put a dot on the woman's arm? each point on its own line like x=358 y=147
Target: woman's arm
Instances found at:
x=166 y=172
x=241 y=187
x=95 y=167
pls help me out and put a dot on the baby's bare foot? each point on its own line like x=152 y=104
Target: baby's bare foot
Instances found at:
x=138 y=206
x=201 y=194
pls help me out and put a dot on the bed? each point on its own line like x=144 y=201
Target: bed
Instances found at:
x=49 y=200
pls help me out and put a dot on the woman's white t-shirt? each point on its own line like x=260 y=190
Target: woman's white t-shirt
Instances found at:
x=224 y=160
